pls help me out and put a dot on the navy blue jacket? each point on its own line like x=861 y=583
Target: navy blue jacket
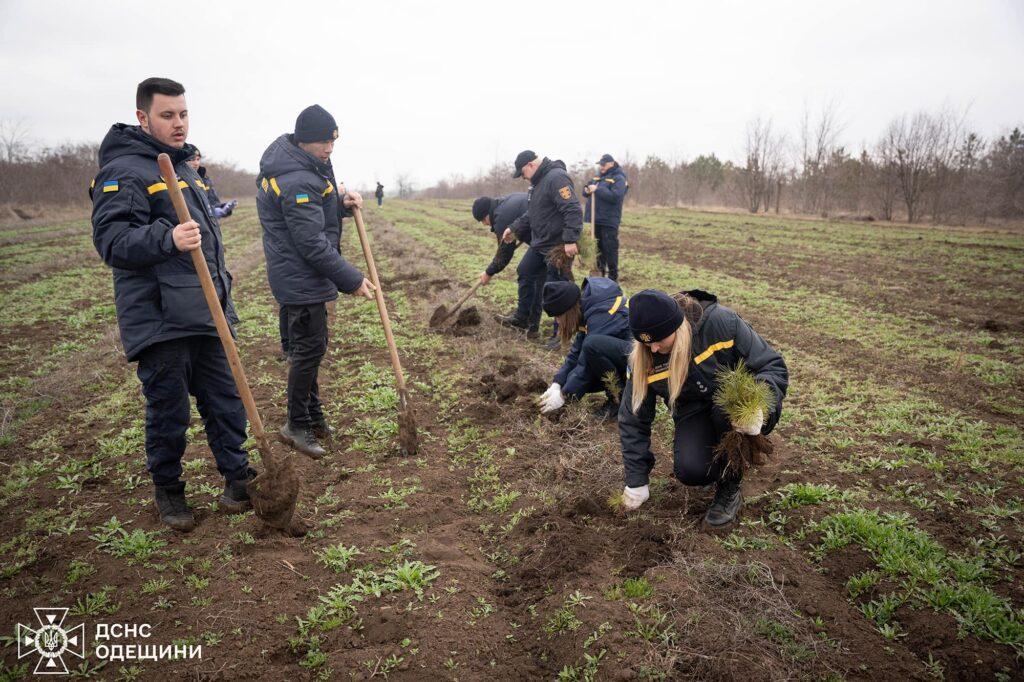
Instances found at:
x=301 y=212
x=604 y=312
x=553 y=213
x=721 y=338
x=611 y=193
x=504 y=211
x=207 y=184
x=156 y=289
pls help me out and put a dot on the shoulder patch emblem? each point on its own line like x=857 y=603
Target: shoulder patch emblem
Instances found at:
x=565 y=193
x=301 y=198
x=110 y=186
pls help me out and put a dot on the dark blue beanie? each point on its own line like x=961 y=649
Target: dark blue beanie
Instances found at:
x=653 y=315
x=314 y=124
x=559 y=297
x=481 y=208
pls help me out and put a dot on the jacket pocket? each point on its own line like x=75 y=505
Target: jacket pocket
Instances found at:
x=183 y=305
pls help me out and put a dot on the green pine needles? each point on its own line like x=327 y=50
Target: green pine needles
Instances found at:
x=741 y=395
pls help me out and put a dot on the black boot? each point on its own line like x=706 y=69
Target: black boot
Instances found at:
x=609 y=412
x=321 y=429
x=172 y=507
x=302 y=439
x=727 y=503
x=235 y=498
x=553 y=343
x=533 y=333
x=512 y=321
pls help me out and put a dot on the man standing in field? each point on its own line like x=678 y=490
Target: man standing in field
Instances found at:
x=498 y=213
x=379 y=193
x=553 y=219
x=221 y=209
x=163 y=317
x=300 y=209
x=609 y=189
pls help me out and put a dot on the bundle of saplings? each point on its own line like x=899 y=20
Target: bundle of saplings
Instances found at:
x=587 y=254
x=747 y=402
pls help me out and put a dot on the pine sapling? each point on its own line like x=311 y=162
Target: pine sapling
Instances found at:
x=747 y=402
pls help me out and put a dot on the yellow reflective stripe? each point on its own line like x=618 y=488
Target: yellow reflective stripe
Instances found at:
x=265 y=185
x=92 y=184
x=657 y=377
x=200 y=184
x=161 y=186
x=273 y=183
x=721 y=345
x=611 y=180
x=330 y=188
x=615 y=306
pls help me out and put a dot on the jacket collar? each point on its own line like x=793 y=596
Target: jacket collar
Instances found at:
x=542 y=170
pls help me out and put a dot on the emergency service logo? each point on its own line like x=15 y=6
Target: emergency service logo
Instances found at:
x=51 y=641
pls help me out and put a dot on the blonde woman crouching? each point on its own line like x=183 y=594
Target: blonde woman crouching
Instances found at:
x=682 y=342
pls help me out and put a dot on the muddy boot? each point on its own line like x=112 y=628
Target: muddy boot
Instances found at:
x=321 y=429
x=554 y=343
x=235 y=498
x=302 y=439
x=172 y=507
x=726 y=505
x=533 y=333
x=609 y=412
x=512 y=321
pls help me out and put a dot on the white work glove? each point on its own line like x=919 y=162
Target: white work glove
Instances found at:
x=632 y=498
x=752 y=428
x=552 y=399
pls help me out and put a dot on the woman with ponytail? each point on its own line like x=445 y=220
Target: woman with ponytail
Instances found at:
x=682 y=343
x=594 y=325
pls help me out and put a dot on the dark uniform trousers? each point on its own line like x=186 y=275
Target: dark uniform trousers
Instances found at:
x=532 y=272
x=307 y=344
x=172 y=370
x=693 y=449
x=602 y=354
x=608 y=250
x=282 y=327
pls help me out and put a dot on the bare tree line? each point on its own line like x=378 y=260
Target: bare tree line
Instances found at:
x=928 y=166
x=60 y=175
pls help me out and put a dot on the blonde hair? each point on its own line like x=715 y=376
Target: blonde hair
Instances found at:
x=569 y=323
x=641 y=360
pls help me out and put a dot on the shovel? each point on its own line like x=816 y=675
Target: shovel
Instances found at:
x=407 y=437
x=442 y=313
x=274 y=491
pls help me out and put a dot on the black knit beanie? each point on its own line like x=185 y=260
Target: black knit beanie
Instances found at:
x=314 y=124
x=481 y=207
x=559 y=297
x=653 y=316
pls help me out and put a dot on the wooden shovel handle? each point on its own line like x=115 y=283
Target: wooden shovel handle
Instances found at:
x=382 y=308
x=465 y=297
x=212 y=300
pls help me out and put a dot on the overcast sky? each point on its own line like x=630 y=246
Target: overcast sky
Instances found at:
x=438 y=88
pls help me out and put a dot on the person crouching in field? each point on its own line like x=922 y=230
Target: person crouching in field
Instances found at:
x=499 y=213
x=221 y=209
x=682 y=342
x=300 y=210
x=596 y=322
x=163 y=317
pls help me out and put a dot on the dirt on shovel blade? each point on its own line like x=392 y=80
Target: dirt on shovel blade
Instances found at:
x=439 y=315
x=274 y=492
x=408 y=439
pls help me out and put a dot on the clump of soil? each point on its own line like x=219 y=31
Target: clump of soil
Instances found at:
x=468 y=317
x=274 y=492
x=742 y=452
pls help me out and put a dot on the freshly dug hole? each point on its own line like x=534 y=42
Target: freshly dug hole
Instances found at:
x=468 y=317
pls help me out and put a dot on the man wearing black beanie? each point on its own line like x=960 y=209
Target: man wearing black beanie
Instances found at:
x=498 y=213
x=300 y=210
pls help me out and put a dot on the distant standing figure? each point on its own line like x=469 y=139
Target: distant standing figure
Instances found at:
x=379 y=194
x=221 y=209
x=609 y=188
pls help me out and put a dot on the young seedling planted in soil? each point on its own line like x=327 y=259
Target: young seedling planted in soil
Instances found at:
x=745 y=400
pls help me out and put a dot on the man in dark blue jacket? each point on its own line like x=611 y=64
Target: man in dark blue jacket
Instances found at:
x=221 y=209
x=300 y=209
x=164 y=320
x=553 y=218
x=609 y=188
x=498 y=213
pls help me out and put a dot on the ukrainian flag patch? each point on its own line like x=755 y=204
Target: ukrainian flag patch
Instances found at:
x=110 y=186
x=301 y=198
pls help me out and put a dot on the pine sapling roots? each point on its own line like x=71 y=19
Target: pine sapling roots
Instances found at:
x=742 y=452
